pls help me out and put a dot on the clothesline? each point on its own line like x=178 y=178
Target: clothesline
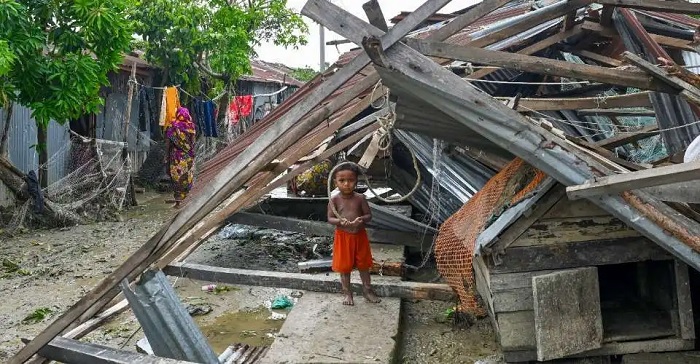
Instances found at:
x=215 y=98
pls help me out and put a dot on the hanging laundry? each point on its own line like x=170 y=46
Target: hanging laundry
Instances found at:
x=163 y=110
x=172 y=104
x=205 y=117
x=240 y=107
x=210 y=119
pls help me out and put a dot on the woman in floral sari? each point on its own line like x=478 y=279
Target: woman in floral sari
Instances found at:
x=180 y=139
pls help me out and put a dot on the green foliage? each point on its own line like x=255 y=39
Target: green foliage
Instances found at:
x=38 y=315
x=190 y=39
x=55 y=55
x=305 y=74
x=11 y=267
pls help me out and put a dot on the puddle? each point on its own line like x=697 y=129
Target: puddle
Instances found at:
x=247 y=326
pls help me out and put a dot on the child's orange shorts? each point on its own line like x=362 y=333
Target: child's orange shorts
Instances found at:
x=351 y=251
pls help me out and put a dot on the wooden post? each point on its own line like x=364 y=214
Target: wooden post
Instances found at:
x=6 y=129
x=129 y=193
x=43 y=149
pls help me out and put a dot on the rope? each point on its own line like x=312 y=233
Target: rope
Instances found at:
x=385 y=141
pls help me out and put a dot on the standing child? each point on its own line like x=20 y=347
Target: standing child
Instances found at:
x=351 y=246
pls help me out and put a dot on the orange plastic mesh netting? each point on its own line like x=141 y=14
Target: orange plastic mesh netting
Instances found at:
x=454 y=247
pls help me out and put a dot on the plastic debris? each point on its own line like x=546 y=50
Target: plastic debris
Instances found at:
x=281 y=302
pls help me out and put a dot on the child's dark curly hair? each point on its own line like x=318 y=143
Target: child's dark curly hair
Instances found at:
x=347 y=166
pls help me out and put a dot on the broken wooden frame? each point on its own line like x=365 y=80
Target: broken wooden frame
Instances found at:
x=309 y=282
x=404 y=68
x=606 y=185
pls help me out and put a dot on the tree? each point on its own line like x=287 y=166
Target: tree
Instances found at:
x=55 y=56
x=191 y=40
x=304 y=74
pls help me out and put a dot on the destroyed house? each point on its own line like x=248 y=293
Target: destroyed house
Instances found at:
x=550 y=135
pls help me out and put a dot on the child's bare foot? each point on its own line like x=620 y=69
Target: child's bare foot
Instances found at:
x=348 y=301
x=370 y=296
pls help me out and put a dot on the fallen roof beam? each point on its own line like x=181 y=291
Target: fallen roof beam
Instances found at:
x=597 y=57
x=685 y=192
x=610 y=32
x=321 y=228
x=680 y=7
x=628 y=137
x=309 y=282
x=615 y=112
x=658 y=176
x=540 y=65
x=375 y=15
x=401 y=67
x=532 y=49
x=688 y=91
x=639 y=99
x=72 y=351
x=280 y=136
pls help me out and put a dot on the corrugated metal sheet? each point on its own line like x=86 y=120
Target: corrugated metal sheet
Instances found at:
x=460 y=177
x=23 y=137
x=170 y=330
x=243 y=354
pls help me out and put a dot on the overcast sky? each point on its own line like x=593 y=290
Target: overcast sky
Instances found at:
x=309 y=54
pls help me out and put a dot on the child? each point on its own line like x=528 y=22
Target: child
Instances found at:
x=351 y=246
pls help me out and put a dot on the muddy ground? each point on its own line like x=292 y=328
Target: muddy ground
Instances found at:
x=47 y=271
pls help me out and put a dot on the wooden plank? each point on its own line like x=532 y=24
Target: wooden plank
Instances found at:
x=679 y=7
x=612 y=62
x=540 y=65
x=510 y=235
x=512 y=301
x=579 y=254
x=555 y=231
x=635 y=180
x=375 y=15
x=688 y=91
x=684 y=192
x=606 y=15
x=511 y=281
x=685 y=306
x=628 y=137
x=568 y=318
x=286 y=131
x=534 y=18
x=389 y=287
x=318 y=228
x=532 y=49
x=517 y=330
x=639 y=99
x=615 y=112
x=75 y=352
x=661 y=345
x=666 y=41
x=482 y=287
x=580 y=208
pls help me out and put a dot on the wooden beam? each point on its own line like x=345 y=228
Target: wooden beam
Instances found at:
x=532 y=49
x=285 y=131
x=532 y=19
x=72 y=351
x=615 y=112
x=684 y=192
x=688 y=91
x=540 y=65
x=612 y=62
x=659 y=176
x=606 y=15
x=610 y=32
x=309 y=282
x=679 y=7
x=628 y=137
x=610 y=156
x=320 y=228
x=639 y=99
x=375 y=15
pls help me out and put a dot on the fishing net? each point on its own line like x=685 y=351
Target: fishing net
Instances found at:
x=94 y=189
x=454 y=246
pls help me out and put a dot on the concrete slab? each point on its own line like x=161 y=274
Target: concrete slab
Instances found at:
x=319 y=329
